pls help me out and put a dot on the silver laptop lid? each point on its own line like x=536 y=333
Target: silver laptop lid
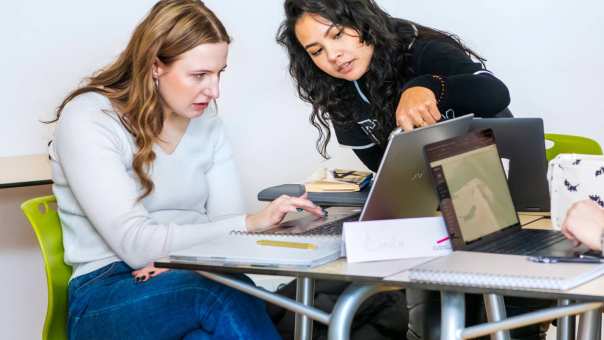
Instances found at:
x=474 y=196
x=402 y=186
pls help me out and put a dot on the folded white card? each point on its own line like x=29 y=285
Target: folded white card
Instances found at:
x=396 y=239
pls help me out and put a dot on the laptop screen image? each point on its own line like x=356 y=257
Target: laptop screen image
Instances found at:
x=471 y=184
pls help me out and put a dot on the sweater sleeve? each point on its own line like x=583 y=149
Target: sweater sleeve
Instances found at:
x=468 y=87
x=92 y=157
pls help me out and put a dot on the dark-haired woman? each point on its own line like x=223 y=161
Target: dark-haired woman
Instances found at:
x=368 y=73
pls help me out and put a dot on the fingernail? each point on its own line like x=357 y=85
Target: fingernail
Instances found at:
x=299 y=209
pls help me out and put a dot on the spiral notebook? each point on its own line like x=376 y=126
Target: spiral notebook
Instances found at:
x=249 y=249
x=503 y=271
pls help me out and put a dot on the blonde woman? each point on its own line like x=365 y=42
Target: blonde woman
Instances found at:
x=141 y=169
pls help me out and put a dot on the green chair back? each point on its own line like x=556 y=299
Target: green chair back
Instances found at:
x=45 y=222
x=571 y=144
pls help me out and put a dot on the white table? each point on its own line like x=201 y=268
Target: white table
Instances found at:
x=375 y=277
x=21 y=171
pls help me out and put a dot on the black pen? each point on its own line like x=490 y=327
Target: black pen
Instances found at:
x=563 y=259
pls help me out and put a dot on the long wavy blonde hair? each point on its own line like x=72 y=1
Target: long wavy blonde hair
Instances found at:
x=171 y=28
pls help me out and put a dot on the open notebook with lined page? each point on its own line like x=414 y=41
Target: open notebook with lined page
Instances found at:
x=503 y=271
x=251 y=249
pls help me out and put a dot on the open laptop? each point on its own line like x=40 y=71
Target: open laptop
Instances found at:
x=521 y=141
x=401 y=188
x=476 y=203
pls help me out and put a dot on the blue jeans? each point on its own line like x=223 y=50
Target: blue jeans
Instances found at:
x=109 y=304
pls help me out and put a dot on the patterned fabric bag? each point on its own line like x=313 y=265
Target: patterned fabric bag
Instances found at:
x=572 y=178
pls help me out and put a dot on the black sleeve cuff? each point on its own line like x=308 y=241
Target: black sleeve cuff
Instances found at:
x=371 y=157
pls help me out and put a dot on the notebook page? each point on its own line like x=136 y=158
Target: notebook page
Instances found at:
x=240 y=249
x=503 y=271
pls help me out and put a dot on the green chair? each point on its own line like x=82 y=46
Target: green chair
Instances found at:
x=571 y=144
x=45 y=222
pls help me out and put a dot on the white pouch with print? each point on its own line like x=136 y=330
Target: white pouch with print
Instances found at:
x=572 y=178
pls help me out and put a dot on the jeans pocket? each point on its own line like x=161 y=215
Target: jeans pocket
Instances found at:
x=98 y=274
x=77 y=298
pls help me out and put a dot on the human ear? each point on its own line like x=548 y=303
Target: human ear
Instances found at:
x=158 y=68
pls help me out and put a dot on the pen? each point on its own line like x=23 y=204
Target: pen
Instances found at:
x=563 y=259
x=287 y=244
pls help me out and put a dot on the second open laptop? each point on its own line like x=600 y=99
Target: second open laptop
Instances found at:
x=476 y=204
x=401 y=188
x=521 y=141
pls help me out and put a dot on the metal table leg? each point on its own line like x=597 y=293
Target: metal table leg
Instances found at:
x=305 y=293
x=531 y=318
x=565 y=329
x=453 y=319
x=590 y=325
x=347 y=305
x=295 y=306
x=495 y=307
x=452 y=305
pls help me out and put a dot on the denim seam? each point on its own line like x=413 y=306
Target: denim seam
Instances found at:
x=123 y=304
x=94 y=279
x=225 y=306
x=220 y=300
x=71 y=332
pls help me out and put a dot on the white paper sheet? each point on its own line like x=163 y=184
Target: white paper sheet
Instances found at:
x=396 y=239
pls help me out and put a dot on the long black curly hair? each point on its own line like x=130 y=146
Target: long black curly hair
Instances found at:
x=330 y=97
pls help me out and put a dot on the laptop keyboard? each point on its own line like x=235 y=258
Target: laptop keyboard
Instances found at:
x=331 y=228
x=526 y=242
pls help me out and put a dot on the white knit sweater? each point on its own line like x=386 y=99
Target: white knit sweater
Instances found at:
x=197 y=193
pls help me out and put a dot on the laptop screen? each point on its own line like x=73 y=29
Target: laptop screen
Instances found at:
x=471 y=185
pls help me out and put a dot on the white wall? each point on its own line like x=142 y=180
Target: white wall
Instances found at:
x=22 y=282
x=547 y=52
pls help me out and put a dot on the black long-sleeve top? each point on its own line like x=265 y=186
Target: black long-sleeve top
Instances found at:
x=469 y=88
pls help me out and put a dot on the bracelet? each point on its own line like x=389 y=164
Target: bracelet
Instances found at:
x=443 y=87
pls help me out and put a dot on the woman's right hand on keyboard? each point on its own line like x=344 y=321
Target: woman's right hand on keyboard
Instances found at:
x=275 y=211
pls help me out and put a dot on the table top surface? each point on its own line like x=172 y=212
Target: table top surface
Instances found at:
x=395 y=272
x=590 y=291
x=336 y=270
x=21 y=171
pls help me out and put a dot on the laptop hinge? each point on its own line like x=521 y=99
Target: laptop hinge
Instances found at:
x=498 y=235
